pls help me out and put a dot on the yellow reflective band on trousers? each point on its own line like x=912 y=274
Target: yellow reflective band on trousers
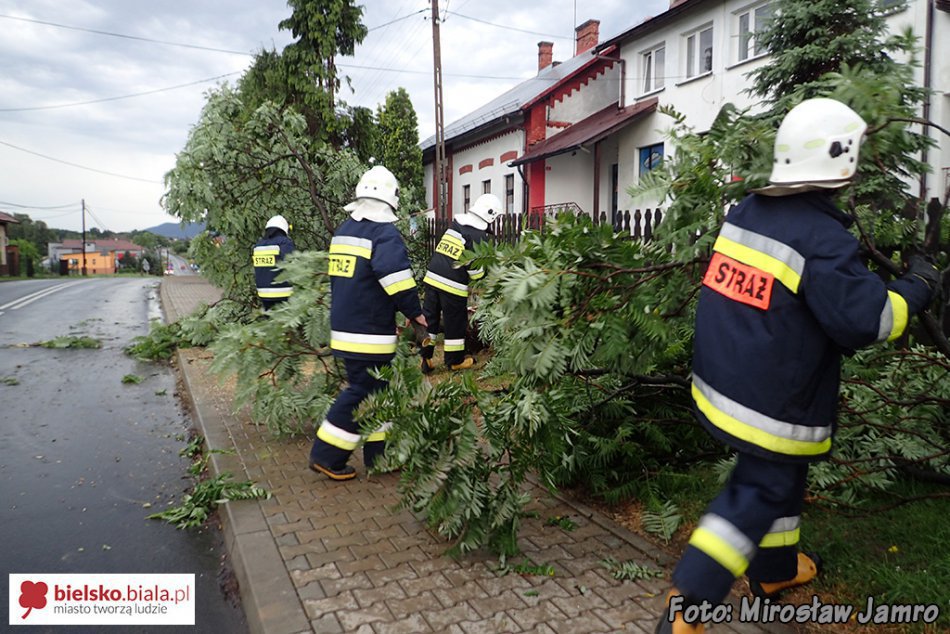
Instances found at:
x=275 y=292
x=454 y=345
x=720 y=550
x=758 y=429
x=362 y=343
x=340 y=438
x=783 y=532
x=778 y=540
x=762 y=261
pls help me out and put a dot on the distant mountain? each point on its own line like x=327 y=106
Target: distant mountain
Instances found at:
x=176 y=231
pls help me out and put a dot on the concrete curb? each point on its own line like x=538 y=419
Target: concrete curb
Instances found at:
x=270 y=599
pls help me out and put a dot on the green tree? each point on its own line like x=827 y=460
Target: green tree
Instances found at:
x=361 y=133
x=268 y=148
x=592 y=334
x=304 y=75
x=399 y=149
x=30 y=256
x=34 y=231
x=238 y=169
x=810 y=39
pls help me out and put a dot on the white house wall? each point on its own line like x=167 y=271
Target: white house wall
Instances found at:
x=915 y=17
x=700 y=98
x=648 y=131
x=568 y=179
x=596 y=95
x=475 y=156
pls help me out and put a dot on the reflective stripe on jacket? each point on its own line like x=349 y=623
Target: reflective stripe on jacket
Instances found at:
x=785 y=294
x=444 y=272
x=267 y=253
x=370 y=280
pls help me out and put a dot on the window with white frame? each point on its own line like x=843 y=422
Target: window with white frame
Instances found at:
x=699 y=52
x=654 y=68
x=509 y=193
x=751 y=22
x=466 y=197
x=486 y=187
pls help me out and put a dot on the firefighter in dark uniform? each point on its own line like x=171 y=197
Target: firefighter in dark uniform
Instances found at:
x=370 y=280
x=446 y=294
x=785 y=295
x=269 y=250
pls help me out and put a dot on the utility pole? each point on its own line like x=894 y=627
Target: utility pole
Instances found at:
x=439 y=194
x=84 y=237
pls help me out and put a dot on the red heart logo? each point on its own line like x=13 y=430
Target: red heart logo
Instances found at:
x=32 y=595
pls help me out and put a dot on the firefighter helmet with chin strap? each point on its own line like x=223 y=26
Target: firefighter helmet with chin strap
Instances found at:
x=816 y=147
x=278 y=222
x=487 y=207
x=380 y=184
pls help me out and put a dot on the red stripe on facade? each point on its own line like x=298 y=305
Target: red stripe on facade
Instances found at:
x=486 y=163
x=508 y=156
x=465 y=169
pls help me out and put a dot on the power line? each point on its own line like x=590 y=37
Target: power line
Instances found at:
x=510 y=28
x=9 y=204
x=82 y=167
x=60 y=214
x=104 y=99
x=127 y=37
x=429 y=72
x=379 y=26
x=95 y=218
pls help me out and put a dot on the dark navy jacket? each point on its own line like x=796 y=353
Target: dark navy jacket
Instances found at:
x=785 y=295
x=370 y=280
x=444 y=272
x=271 y=249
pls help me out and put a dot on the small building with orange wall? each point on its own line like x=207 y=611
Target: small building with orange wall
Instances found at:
x=97 y=262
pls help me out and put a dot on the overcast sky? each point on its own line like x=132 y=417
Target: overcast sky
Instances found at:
x=55 y=56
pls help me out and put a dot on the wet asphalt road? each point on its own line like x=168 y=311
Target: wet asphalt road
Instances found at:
x=84 y=458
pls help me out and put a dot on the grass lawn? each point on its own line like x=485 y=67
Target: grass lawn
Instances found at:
x=898 y=556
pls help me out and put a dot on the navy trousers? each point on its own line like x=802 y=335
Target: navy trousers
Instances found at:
x=446 y=313
x=338 y=435
x=751 y=527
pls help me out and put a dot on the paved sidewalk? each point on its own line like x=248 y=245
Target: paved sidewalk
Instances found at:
x=323 y=556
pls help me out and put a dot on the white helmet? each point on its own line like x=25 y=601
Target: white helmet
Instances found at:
x=278 y=222
x=816 y=147
x=380 y=184
x=487 y=207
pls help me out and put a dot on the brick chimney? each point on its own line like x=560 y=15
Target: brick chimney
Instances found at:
x=586 y=36
x=545 y=55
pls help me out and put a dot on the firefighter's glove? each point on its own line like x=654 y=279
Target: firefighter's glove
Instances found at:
x=923 y=268
x=420 y=334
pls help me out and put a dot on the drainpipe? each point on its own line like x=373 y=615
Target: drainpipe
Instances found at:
x=928 y=63
x=524 y=190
